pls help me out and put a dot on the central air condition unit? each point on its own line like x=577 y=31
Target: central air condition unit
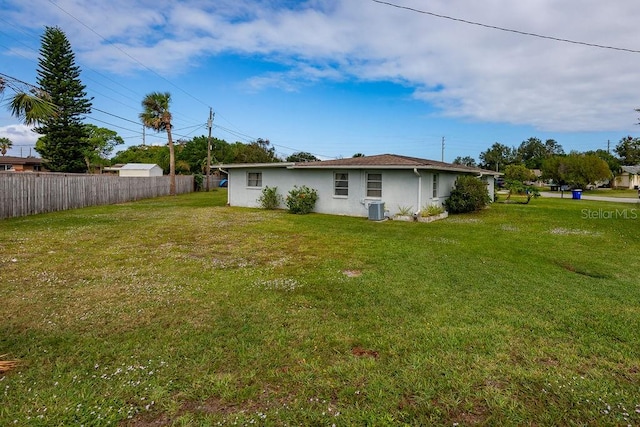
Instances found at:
x=376 y=211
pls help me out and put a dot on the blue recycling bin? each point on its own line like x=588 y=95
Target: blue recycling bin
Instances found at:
x=576 y=194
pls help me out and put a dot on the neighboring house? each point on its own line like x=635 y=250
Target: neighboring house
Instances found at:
x=21 y=164
x=140 y=169
x=348 y=186
x=629 y=178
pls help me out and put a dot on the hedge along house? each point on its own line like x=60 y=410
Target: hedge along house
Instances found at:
x=349 y=186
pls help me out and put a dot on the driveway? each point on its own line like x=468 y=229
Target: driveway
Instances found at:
x=567 y=195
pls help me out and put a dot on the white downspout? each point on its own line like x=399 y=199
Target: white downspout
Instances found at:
x=415 y=170
x=228 y=186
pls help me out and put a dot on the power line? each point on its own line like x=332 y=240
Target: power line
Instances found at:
x=510 y=30
x=127 y=54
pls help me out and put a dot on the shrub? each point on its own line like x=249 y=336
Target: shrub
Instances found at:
x=431 y=210
x=469 y=195
x=270 y=199
x=405 y=210
x=301 y=200
x=198 y=181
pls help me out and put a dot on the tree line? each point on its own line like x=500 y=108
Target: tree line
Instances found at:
x=579 y=169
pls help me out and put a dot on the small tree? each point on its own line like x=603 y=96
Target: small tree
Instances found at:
x=469 y=195
x=270 y=199
x=576 y=169
x=301 y=200
x=101 y=143
x=519 y=173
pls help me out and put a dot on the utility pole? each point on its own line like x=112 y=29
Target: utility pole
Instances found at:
x=443 y=148
x=608 y=146
x=209 y=124
x=143 y=135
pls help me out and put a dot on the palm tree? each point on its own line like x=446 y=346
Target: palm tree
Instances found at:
x=32 y=106
x=5 y=145
x=156 y=116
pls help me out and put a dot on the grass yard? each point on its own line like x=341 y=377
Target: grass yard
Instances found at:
x=612 y=193
x=182 y=311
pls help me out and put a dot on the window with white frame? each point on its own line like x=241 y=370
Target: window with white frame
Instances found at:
x=340 y=184
x=5 y=167
x=374 y=185
x=254 y=179
x=435 y=185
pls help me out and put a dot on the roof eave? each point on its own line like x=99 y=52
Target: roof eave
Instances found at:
x=252 y=165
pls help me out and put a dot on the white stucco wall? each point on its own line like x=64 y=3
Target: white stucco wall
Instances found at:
x=627 y=180
x=399 y=188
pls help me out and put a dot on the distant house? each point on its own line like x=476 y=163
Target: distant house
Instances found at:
x=21 y=164
x=629 y=178
x=349 y=186
x=140 y=170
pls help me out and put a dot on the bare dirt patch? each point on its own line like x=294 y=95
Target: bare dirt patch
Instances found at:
x=361 y=352
x=352 y=273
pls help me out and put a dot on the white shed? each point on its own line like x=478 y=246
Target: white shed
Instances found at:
x=140 y=170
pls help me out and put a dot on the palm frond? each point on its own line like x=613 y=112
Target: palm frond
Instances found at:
x=32 y=108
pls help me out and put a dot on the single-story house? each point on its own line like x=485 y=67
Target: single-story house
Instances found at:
x=21 y=164
x=349 y=186
x=140 y=169
x=629 y=178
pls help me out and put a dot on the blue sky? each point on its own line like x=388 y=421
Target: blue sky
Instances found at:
x=338 y=77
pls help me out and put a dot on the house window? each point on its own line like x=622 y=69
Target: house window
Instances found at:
x=254 y=179
x=340 y=184
x=374 y=185
x=435 y=185
x=5 y=167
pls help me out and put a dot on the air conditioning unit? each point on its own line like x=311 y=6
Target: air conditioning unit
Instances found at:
x=376 y=211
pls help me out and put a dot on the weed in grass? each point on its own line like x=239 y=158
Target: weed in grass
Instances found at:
x=575 y=232
x=279 y=284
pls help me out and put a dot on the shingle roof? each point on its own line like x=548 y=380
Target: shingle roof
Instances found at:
x=20 y=160
x=390 y=161
x=634 y=170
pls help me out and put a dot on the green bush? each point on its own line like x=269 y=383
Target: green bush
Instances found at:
x=301 y=200
x=469 y=195
x=198 y=181
x=270 y=199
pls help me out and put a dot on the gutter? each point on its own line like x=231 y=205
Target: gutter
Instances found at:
x=228 y=186
x=415 y=171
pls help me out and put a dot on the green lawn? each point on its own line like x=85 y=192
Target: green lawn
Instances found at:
x=613 y=193
x=182 y=311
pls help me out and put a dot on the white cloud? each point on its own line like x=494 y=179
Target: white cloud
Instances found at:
x=22 y=138
x=480 y=74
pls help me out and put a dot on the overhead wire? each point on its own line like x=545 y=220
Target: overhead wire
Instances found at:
x=128 y=55
x=510 y=30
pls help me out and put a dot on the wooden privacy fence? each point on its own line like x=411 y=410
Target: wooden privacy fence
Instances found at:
x=25 y=193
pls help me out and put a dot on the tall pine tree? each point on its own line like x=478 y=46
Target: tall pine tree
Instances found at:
x=64 y=143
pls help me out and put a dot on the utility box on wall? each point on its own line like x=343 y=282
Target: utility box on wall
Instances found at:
x=376 y=211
